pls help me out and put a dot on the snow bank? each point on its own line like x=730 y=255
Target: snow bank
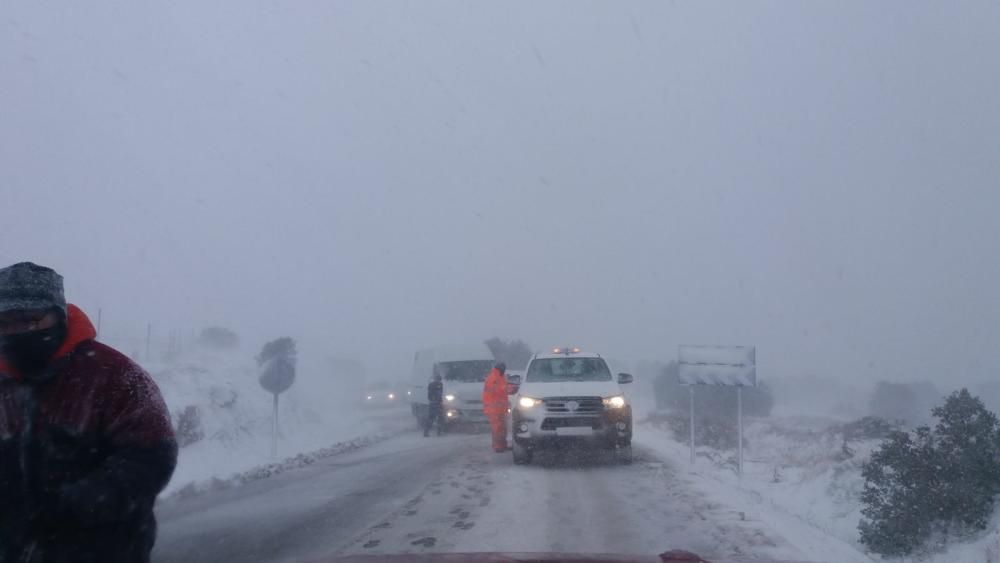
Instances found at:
x=984 y=549
x=224 y=417
x=803 y=479
x=272 y=469
x=796 y=478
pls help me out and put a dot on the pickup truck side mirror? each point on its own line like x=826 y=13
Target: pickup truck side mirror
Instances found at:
x=624 y=378
x=513 y=384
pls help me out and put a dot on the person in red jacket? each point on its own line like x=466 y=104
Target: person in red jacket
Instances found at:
x=495 y=405
x=86 y=442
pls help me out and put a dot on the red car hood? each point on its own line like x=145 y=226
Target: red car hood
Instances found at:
x=668 y=557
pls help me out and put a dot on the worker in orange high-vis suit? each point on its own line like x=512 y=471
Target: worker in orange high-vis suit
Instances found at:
x=495 y=405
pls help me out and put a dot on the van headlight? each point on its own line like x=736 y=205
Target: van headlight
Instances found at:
x=616 y=402
x=528 y=402
x=449 y=397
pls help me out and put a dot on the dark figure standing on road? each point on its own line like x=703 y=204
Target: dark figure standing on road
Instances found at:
x=435 y=405
x=85 y=438
x=496 y=404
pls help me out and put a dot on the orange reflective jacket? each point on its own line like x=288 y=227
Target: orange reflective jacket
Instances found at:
x=495 y=394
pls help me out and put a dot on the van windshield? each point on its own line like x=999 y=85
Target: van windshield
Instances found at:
x=472 y=371
x=568 y=369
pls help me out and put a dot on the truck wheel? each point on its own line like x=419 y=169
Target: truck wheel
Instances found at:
x=522 y=455
x=623 y=454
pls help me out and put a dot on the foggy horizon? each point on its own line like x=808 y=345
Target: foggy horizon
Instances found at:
x=816 y=180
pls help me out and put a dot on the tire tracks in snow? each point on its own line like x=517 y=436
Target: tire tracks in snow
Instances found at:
x=580 y=502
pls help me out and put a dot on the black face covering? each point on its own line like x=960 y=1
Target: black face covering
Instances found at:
x=30 y=352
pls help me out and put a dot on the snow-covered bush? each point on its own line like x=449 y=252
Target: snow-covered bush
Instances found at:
x=898 y=496
x=967 y=442
x=188 y=429
x=717 y=432
x=910 y=403
x=218 y=338
x=711 y=401
x=867 y=428
x=713 y=432
x=941 y=481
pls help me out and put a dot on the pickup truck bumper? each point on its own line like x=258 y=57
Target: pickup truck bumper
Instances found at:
x=610 y=428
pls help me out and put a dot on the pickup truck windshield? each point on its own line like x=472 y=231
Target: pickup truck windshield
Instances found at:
x=466 y=372
x=568 y=369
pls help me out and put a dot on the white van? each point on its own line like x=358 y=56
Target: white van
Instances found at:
x=463 y=370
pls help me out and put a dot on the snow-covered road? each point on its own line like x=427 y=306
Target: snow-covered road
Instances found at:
x=412 y=494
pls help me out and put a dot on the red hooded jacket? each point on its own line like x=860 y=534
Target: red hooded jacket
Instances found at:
x=84 y=450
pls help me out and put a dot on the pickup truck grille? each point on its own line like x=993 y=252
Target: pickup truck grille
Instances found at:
x=583 y=405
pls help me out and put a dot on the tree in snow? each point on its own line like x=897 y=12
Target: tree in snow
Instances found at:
x=941 y=480
x=909 y=403
x=666 y=383
x=901 y=486
x=967 y=441
x=219 y=338
x=514 y=353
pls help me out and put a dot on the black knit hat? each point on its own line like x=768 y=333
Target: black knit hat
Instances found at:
x=30 y=287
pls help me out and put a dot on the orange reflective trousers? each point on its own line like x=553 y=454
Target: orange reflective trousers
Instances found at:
x=495 y=407
x=498 y=424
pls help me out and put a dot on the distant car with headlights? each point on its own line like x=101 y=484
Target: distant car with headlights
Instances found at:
x=382 y=394
x=570 y=397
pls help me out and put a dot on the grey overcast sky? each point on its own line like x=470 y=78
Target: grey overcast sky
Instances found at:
x=819 y=179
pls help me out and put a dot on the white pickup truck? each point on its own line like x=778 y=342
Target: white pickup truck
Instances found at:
x=569 y=396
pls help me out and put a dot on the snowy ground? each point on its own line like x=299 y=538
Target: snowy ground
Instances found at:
x=200 y=469
x=452 y=494
x=355 y=481
x=234 y=416
x=794 y=483
x=798 y=479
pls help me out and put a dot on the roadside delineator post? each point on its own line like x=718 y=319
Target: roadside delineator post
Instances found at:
x=691 y=425
x=739 y=423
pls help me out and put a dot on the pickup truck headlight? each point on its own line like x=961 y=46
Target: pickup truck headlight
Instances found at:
x=616 y=402
x=449 y=397
x=528 y=402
